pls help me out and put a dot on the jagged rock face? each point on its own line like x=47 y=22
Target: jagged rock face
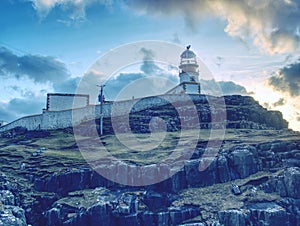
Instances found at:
x=154 y=205
x=230 y=164
x=121 y=208
x=240 y=112
x=286 y=184
x=256 y=214
x=10 y=215
x=234 y=163
x=284 y=212
x=7 y=197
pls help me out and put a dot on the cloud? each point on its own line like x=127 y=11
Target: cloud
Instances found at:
x=176 y=38
x=152 y=78
x=218 y=88
x=230 y=88
x=273 y=26
x=280 y=102
x=19 y=107
x=287 y=79
x=67 y=86
x=149 y=67
x=40 y=69
x=76 y=8
x=23 y=76
x=5 y=114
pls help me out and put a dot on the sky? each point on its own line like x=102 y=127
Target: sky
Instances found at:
x=251 y=47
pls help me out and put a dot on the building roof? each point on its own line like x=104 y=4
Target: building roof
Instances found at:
x=188 y=53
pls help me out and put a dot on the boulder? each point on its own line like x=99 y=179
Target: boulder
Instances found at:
x=7 y=198
x=242 y=162
x=12 y=216
x=286 y=184
x=235 y=189
x=268 y=214
x=255 y=214
x=233 y=217
x=291 y=180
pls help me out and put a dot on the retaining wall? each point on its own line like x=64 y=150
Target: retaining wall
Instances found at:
x=69 y=118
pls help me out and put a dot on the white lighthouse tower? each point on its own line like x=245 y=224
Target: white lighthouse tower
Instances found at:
x=188 y=74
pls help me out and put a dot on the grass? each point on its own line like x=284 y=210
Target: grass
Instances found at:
x=61 y=149
x=61 y=153
x=215 y=198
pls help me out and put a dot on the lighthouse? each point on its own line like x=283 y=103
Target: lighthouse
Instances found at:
x=188 y=74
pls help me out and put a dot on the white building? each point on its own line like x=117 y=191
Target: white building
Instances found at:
x=188 y=74
x=62 y=101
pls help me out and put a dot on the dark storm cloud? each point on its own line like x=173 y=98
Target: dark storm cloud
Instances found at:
x=40 y=69
x=287 y=79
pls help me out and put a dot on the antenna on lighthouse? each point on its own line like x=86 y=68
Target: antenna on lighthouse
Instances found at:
x=101 y=100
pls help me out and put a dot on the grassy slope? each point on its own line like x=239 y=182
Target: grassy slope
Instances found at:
x=62 y=152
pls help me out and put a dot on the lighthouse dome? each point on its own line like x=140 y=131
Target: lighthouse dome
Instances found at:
x=187 y=54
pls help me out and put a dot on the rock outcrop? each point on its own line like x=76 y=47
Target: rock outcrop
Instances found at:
x=230 y=164
x=10 y=214
x=74 y=194
x=152 y=205
x=118 y=208
x=284 y=211
x=238 y=112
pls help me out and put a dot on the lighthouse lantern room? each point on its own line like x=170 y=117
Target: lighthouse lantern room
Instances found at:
x=188 y=74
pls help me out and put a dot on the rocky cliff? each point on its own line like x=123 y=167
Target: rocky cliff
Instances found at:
x=240 y=112
x=253 y=180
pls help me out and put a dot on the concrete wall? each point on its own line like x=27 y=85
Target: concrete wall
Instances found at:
x=69 y=118
x=32 y=122
x=192 y=88
x=61 y=102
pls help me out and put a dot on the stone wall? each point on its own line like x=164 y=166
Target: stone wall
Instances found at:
x=60 y=102
x=68 y=118
x=33 y=122
x=237 y=108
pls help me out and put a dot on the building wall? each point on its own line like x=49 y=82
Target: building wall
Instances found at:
x=32 y=122
x=69 y=118
x=60 y=102
x=184 y=77
x=192 y=88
